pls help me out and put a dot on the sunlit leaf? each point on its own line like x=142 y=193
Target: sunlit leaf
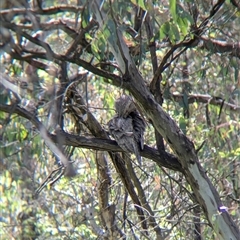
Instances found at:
x=184 y=14
x=174 y=33
x=183 y=25
x=173 y=9
x=139 y=3
x=164 y=30
x=22 y=133
x=183 y=125
x=85 y=18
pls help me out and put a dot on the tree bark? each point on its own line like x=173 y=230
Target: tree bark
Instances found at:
x=206 y=194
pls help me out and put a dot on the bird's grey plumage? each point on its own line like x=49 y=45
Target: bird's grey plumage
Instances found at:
x=139 y=127
x=127 y=127
x=124 y=106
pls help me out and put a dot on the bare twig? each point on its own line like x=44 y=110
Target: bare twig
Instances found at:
x=204 y=98
x=43 y=11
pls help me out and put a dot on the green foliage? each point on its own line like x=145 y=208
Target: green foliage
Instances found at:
x=173 y=9
x=139 y=3
x=62 y=210
x=168 y=29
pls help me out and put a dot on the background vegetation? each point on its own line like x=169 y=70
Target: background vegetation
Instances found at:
x=61 y=176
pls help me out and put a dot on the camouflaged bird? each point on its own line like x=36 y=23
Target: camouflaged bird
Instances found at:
x=128 y=127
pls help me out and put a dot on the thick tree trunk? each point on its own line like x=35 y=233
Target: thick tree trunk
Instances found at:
x=205 y=193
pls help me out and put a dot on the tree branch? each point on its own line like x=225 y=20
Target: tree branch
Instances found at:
x=50 y=26
x=235 y=4
x=206 y=193
x=184 y=44
x=168 y=161
x=46 y=136
x=217 y=46
x=203 y=98
x=43 y=11
x=115 y=79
